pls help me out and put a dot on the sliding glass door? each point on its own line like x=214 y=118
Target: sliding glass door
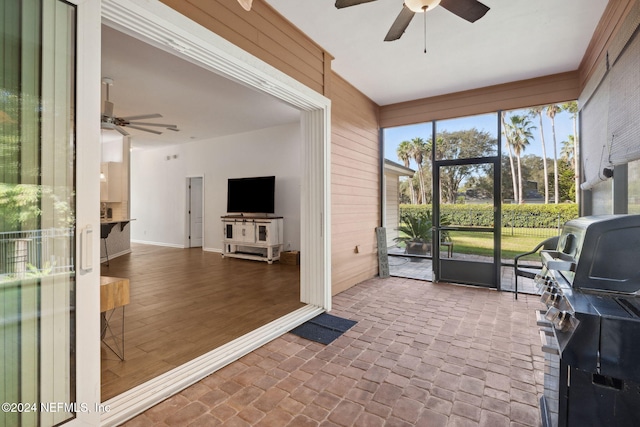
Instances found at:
x=38 y=254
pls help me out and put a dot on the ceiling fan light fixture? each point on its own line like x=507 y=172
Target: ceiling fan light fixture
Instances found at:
x=418 y=6
x=246 y=4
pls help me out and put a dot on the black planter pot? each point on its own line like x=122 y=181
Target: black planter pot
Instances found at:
x=418 y=248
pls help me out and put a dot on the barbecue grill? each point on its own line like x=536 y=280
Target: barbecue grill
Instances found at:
x=590 y=329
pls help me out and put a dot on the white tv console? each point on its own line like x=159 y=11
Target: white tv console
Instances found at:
x=256 y=238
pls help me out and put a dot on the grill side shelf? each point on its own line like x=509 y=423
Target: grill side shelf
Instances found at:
x=548 y=341
x=541 y=320
x=555 y=260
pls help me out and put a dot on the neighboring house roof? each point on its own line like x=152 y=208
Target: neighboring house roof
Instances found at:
x=397 y=168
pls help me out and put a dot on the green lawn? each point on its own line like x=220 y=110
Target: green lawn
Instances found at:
x=514 y=242
x=468 y=242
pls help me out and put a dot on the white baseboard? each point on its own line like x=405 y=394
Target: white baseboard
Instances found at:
x=116 y=255
x=212 y=250
x=168 y=245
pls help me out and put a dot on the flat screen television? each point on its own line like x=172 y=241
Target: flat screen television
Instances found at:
x=251 y=195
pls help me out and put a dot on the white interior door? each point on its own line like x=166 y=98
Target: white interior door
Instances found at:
x=195 y=212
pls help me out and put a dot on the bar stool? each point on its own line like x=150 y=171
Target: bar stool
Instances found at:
x=105 y=229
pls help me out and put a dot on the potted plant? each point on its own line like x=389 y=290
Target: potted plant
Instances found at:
x=415 y=233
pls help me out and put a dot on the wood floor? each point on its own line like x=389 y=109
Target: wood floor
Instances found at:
x=186 y=302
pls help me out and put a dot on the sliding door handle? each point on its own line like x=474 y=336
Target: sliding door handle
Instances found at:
x=86 y=248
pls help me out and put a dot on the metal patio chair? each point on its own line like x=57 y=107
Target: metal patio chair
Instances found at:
x=530 y=271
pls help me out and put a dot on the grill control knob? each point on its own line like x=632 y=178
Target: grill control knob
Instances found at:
x=550 y=298
x=563 y=321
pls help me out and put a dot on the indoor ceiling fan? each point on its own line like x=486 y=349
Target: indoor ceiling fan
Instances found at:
x=110 y=121
x=470 y=10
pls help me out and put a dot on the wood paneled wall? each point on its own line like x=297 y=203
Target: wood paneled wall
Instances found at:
x=525 y=93
x=355 y=185
x=265 y=34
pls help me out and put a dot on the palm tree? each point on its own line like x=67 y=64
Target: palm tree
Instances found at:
x=572 y=109
x=567 y=151
x=519 y=129
x=537 y=111
x=404 y=153
x=552 y=110
x=418 y=151
x=507 y=135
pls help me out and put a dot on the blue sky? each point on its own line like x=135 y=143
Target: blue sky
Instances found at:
x=486 y=122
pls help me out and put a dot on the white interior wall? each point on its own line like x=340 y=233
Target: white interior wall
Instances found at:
x=158 y=183
x=111 y=147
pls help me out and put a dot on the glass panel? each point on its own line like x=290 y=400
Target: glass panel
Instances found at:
x=467 y=246
x=602 y=198
x=37 y=210
x=466 y=195
x=467 y=137
x=540 y=154
x=634 y=187
x=408 y=147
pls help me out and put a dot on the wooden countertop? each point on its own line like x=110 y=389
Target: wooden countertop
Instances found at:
x=115 y=221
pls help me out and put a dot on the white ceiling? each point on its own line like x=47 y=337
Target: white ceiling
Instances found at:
x=515 y=40
x=201 y=103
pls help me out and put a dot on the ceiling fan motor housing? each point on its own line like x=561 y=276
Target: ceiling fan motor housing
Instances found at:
x=418 y=6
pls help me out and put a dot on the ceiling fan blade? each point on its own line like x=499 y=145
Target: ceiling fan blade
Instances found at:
x=164 y=125
x=108 y=108
x=144 y=129
x=111 y=126
x=246 y=4
x=346 y=3
x=121 y=130
x=471 y=10
x=400 y=24
x=142 y=116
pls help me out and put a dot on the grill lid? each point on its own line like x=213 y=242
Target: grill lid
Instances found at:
x=601 y=253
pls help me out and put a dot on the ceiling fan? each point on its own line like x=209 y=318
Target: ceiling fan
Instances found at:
x=110 y=121
x=470 y=10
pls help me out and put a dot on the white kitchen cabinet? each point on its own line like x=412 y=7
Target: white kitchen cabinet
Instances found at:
x=111 y=182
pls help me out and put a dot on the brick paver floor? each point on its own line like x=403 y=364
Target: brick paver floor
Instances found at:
x=421 y=354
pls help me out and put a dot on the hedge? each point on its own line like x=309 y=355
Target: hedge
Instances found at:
x=518 y=216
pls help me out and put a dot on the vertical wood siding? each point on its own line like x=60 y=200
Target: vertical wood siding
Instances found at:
x=355 y=185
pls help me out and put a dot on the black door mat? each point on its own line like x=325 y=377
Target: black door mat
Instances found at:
x=324 y=328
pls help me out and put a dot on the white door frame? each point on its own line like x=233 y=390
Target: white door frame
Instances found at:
x=167 y=29
x=87 y=214
x=187 y=231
